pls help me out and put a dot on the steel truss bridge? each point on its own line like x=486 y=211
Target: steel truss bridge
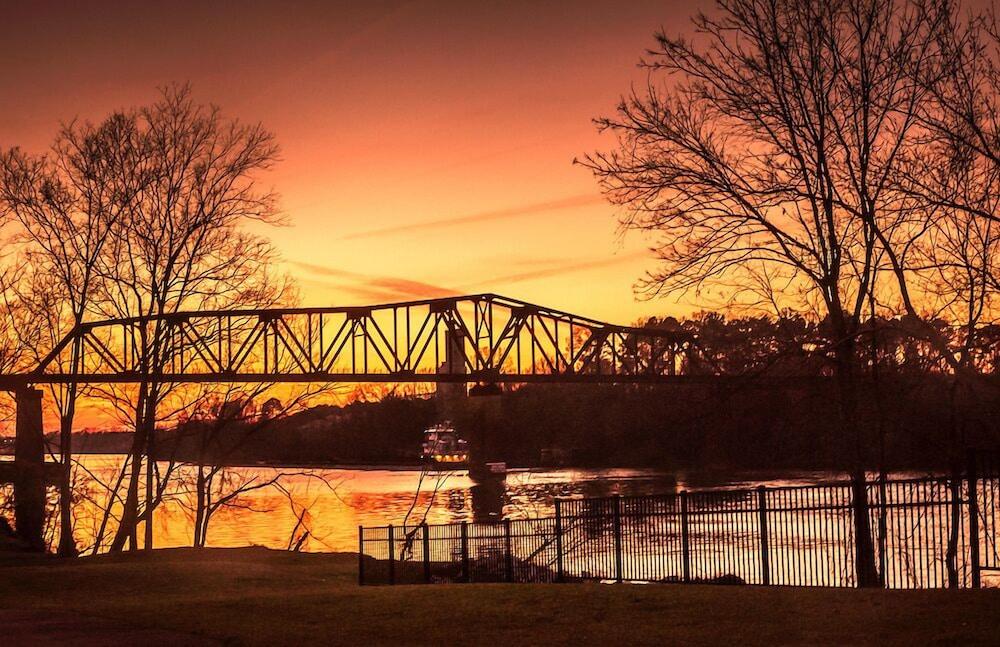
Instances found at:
x=482 y=338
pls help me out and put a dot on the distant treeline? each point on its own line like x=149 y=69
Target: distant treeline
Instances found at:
x=796 y=345
x=99 y=442
x=740 y=426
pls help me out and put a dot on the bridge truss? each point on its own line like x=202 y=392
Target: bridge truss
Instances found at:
x=483 y=338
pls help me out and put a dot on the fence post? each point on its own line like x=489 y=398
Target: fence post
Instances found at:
x=973 y=517
x=427 y=553
x=765 y=558
x=685 y=543
x=508 y=553
x=883 y=528
x=466 y=576
x=361 y=555
x=559 y=545
x=392 y=557
x=618 y=537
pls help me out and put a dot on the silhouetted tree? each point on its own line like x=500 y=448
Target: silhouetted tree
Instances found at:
x=181 y=246
x=773 y=146
x=66 y=204
x=219 y=427
x=951 y=183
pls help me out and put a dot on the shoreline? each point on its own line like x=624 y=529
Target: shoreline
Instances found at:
x=697 y=477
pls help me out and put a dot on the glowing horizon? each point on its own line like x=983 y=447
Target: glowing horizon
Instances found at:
x=419 y=158
x=427 y=148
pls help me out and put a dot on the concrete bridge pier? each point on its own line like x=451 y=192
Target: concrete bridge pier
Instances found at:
x=483 y=422
x=484 y=425
x=476 y=414
x=29 y=476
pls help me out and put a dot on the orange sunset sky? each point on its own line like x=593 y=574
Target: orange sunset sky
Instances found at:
x=427 y=147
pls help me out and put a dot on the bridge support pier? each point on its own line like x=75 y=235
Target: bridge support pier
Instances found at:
x=484 y=427
x=29 y=475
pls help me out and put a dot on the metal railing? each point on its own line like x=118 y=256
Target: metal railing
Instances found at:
x=928 y=533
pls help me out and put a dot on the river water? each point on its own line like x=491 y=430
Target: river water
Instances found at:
x=331 y=503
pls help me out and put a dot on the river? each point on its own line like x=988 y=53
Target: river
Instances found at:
x=332 y=503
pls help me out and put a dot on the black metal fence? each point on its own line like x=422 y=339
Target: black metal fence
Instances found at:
x=928 y=533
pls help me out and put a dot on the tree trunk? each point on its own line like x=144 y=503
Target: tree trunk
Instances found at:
x=954 y=488
x=150 y=487
x=67 y=544
x=130 y=509
x=951 y=556
x=864 y=547
x=199 y=515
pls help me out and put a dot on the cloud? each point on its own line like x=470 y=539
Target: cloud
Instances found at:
x=384 y=289
x=562 y=269
x=483 y=216
x=407 y=287
x=374 y=289
x=323 y=270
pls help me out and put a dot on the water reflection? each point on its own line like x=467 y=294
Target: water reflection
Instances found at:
x=376 y=497
x=488 y=497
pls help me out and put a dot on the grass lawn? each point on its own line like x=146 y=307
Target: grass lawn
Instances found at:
x=257 y=596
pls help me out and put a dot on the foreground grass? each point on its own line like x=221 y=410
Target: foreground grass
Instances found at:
x=256 y=596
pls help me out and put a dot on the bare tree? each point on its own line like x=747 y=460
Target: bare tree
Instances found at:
x=66 y=204
x=772 y=144
x=222 y=425
x=15 y=337
x=951 y=181
x=948 y=182
x=181 y=246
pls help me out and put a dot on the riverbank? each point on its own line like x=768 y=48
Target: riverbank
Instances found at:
x=257 y=596
x=595 y=426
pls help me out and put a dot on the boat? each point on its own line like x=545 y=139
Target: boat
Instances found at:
x=443 y=446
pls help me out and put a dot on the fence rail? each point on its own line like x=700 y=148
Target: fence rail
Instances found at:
x=928 y=533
